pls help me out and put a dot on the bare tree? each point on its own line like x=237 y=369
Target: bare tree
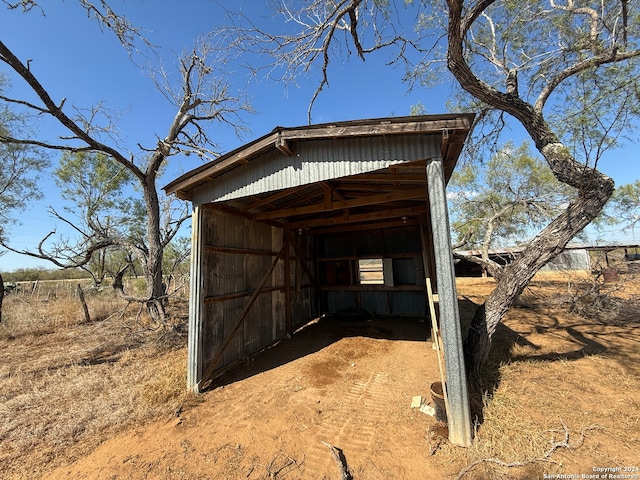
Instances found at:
x=201 y=95
x=519 y=61
x=502 y=201
x=21 y=165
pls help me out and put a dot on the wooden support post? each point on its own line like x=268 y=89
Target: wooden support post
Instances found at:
x=288 y=308
x=435 y=337
x=87 y=317
x=304 y=265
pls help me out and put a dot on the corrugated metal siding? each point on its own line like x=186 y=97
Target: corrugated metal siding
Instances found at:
x=407 y=303
x=402 y=240
x=338 y=246
x=570 y=260
x=407 y=270
x=374 y=302
x=340 y=300
x=404 y=271
x=371 y=244
x=227 y=273
x=315 y=161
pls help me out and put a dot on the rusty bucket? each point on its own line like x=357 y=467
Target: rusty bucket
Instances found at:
x=437 y=395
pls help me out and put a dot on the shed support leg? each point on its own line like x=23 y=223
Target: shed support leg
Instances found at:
x=458 y=414
x=196 y=302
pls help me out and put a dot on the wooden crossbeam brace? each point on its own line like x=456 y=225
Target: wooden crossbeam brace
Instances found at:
x=305 y=267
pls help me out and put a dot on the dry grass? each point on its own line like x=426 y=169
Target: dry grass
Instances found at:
x=557 y=368
x=66 y=383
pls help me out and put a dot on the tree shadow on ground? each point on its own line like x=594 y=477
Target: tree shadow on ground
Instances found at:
x=574 y=338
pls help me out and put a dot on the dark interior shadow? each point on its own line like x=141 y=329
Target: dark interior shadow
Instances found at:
x=319 y=334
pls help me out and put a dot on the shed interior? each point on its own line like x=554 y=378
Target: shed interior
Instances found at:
x=311 y=221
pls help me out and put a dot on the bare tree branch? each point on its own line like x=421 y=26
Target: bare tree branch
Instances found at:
x=602 y=59
x=201 y=94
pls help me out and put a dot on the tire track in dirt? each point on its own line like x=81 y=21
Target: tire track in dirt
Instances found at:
x=351 y=427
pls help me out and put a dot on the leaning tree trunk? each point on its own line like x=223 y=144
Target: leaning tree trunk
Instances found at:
x=515 y=277
x=150 y=257
x=593 y=189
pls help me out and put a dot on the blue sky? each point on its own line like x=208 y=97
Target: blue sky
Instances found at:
x=75 y=60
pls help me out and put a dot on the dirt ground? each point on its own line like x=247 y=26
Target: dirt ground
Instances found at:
x=554 y=376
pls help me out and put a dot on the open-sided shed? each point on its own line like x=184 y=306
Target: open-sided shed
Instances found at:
x=324 y=219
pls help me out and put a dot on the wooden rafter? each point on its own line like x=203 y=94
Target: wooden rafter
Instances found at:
x=274 y=197
x=345 y=204
x=377 y=216
x=390 y=178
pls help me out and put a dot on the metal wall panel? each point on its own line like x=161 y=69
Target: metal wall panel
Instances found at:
x=374 y=302
x=228 y=273
x=316 y=161
x=404 y=271
x=402 y=240
x=370 y=244
x=407 y=303
x=338 y=246
x=338 y=300
x=376 y=243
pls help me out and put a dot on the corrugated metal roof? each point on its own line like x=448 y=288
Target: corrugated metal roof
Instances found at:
x=456 y=127
x=361 y=172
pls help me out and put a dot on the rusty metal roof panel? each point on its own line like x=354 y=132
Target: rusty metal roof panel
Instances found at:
x=316 y=161
x=451 y=129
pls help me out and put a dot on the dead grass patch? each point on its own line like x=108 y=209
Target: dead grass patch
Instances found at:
x=562 y=395
x=559 y=367
x=67 y=383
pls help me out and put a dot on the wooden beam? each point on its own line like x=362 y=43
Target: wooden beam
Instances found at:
x=381 y=288
x=232 y=296
x=340 y=205
x=284 y=146
x=303 y=263
x=383 y=178
x=239 y=251
x=299 y=199
x=288 y=307
x=397 y=213
x=276 y=196
x=327 y=196
x=382 y=128
x=330 y=192
x=373 y=254
x=230 y=160
x=223 y=207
